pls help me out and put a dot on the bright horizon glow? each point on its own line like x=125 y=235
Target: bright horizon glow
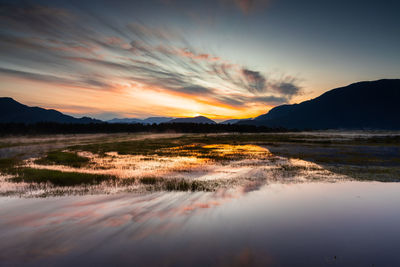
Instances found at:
x=173 y=105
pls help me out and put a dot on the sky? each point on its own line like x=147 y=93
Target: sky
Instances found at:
x=179 y=58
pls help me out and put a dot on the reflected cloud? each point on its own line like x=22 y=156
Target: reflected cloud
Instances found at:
x=139 y=216
x=223 y=228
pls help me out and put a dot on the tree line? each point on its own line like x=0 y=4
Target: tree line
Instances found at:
x=72 y=128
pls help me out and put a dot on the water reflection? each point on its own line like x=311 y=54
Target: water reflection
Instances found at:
x=266 y=210
x=317 y=224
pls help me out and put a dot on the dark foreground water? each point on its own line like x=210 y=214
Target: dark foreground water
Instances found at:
x=309 y=224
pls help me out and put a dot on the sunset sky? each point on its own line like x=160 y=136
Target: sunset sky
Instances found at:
x=221 y=59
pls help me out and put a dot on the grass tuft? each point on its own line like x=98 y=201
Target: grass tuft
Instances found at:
x=185 y=185
x=149 y=180
x=58 y=178
x=174 y=184
x=7 y=165
x=63 y=158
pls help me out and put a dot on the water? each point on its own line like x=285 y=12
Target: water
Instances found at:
x=293 y=224
x=275 y=204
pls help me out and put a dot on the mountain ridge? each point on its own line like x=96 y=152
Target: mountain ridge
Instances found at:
x=11 y=111
x=197 y=119
x=361 y=105
x=230 y=121
x=149 y=120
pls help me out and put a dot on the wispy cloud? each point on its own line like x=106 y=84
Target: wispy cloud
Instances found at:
x=82 y=82
x=247 y=6
x=255 y=81
x=55 y=45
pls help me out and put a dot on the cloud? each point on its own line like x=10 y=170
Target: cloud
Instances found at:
x=287 y=88
x=82 y=82
x=39 y=19
x=247 y=6
x=197 y=90
x=86 y=50
x=271 y=100
x=239 y=100
x=255 y=81
x=203 y=56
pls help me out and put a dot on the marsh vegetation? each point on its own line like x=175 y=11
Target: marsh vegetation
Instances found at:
x=196 y=162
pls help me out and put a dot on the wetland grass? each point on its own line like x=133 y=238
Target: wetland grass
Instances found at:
x=58 y=178
x=175 y=184
x=186 y=185
x=71 y=159
x=149 y=180
x=8 y=165
x=360 y=162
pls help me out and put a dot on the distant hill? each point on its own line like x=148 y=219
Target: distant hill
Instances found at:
x=125 y=120
x=157 y=120
x=232 y=121
x=199 y=119
x=150 y=120
x=363 y=105
x=13 y=111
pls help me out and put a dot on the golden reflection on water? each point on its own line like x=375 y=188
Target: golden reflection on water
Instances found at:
x=229 y=149
x=130 y=166
x=247 y=166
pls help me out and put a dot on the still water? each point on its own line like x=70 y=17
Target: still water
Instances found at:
x=345 y=223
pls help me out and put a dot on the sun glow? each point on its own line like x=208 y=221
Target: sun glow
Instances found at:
x=130 y=100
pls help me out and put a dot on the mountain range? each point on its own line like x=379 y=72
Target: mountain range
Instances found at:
x=13 y=111
x=231 y=121
x=198 y=119
x=158 y=120
x=150 y=120
x=362 y=105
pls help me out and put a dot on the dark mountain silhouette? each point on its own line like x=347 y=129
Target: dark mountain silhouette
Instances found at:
x=231 y=121
x=12 y=111
x=363 y=105
x=157 y=120
x=125 y=120
x=199 y=119
x=150 y=120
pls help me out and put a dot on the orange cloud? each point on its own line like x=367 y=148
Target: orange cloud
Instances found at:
x=246 y=6
x=186 y=53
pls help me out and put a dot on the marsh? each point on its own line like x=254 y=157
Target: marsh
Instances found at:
x=324 y=198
